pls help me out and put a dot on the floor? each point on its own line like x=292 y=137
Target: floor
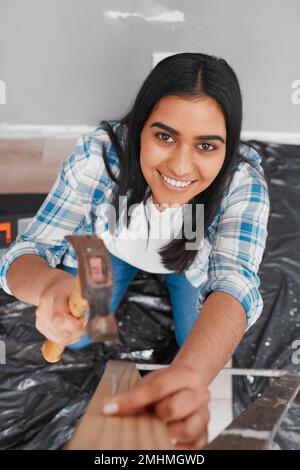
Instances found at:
x=31 y=165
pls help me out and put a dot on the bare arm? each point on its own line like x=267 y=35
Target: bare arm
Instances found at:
x=214 y=336
x=179 y=393
x=29 y=276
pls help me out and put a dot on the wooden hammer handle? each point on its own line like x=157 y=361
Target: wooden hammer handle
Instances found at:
x=51 y=351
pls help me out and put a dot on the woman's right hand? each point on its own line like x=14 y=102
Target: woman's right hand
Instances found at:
x=53 y=317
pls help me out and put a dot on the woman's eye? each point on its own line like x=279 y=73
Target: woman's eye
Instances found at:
x=207 y=147
x=166 y=135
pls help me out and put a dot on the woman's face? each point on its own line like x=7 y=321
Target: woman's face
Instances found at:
x=183 y=147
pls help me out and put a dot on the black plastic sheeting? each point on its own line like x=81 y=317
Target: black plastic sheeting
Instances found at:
x=275 y=339
x=40 y=404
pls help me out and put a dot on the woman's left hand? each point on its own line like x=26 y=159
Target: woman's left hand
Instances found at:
x=177 y=396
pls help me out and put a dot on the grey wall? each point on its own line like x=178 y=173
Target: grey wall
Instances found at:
x=76 y=62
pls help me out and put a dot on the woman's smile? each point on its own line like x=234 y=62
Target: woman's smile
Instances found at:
x=173 y=184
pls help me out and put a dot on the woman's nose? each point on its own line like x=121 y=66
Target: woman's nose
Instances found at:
x=181 y=164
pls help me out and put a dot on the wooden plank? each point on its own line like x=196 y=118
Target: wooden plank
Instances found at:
x=98 y=432
x=255 y=428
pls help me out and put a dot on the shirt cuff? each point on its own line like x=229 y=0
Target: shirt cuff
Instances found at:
x=17 y=249
x=244 y=290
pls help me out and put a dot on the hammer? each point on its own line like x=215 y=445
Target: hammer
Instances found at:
x=92 y=291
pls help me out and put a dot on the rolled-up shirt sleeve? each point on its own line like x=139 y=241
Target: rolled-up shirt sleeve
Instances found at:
x=62 y=212
x=238 y=245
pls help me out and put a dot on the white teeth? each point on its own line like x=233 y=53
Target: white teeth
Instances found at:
x=178 y=184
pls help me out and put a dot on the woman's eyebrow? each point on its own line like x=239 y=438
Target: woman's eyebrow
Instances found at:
x=198 y=137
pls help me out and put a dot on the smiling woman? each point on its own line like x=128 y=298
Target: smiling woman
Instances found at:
x=178 y=146
x=181 y=144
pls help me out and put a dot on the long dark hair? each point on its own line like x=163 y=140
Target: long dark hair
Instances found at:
x=189 y=75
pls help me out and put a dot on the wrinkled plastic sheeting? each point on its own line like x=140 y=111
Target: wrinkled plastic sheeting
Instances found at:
x=41 y=403
x=273 y=341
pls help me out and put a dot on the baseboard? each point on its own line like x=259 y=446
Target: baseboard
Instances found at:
x=292 y=138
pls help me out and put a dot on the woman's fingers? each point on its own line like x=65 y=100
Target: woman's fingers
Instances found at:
x=53 y=317
x=70 y=323
x=66 y=323
x=52 y=336
x=61 y=338
x=192 y=430
x=158 y=386
x=61 y=327
x=177 y=396
x=180 y=405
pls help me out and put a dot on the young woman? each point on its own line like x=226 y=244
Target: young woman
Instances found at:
x=179 y=146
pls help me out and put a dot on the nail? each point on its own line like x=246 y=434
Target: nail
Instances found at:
x=110 y=408
x=174 y=441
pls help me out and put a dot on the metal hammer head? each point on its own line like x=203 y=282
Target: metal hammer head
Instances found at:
x=96 y=281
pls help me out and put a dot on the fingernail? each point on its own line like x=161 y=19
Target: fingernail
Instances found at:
x=110 y=408
x=85 y=322
x=174 y=441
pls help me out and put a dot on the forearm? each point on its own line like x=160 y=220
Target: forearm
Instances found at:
x=214 y=336
x=29 y=275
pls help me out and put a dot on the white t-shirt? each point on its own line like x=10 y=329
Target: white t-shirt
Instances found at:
x=136 y=245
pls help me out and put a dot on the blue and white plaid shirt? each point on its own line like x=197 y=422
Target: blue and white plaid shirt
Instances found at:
x=233 y=246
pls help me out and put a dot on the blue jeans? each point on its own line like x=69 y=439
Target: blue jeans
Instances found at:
x=183 y=296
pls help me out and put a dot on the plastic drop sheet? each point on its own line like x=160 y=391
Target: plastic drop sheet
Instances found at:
x=273 y=341
x=40 y=404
